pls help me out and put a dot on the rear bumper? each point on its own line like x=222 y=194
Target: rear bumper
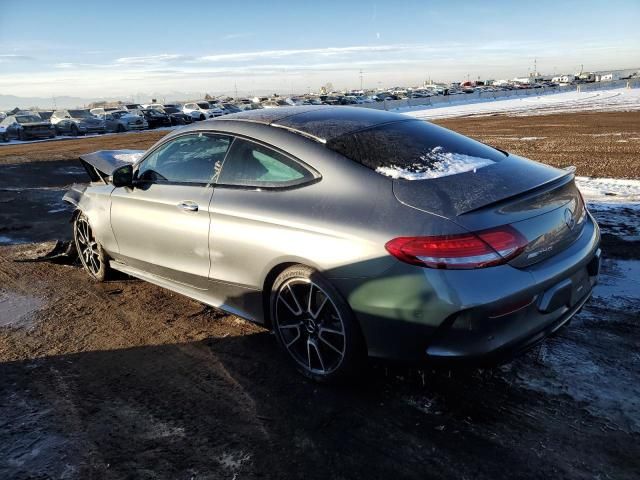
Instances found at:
x=479 y=316
x=477 y=337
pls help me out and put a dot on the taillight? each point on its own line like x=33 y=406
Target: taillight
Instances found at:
x=470 y=250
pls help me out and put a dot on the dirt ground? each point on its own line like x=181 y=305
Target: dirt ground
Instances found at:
x=598 y=144
x=126 y=380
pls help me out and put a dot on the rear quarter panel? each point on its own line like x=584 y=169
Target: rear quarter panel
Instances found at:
x=339 y=225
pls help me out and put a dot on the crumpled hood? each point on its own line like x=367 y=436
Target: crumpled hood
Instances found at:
x=101 y=164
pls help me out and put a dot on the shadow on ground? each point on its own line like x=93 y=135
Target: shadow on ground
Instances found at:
x=232 y=406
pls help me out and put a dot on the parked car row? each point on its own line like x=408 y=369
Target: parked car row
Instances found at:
x=124 y=117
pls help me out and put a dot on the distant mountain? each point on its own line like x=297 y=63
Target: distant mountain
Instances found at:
x=7 y=102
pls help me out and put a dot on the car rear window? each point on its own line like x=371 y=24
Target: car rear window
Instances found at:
x=414 y=150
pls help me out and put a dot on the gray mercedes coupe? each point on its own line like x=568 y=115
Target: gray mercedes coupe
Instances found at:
x=350 y=232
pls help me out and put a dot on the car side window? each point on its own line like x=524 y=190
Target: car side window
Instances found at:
x=254 y=165
x=187 y=159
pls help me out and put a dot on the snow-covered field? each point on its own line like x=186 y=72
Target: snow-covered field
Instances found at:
x=620 y=99
x=610 y=191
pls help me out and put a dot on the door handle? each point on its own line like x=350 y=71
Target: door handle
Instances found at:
x=188 y=206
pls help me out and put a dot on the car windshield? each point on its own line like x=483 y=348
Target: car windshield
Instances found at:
x=80 y=113
x=414 y=150
x=204 y=105
x=170 y=110
x=28 y=118
x=154 y=111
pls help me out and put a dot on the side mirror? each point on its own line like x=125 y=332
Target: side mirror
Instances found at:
x=123 y=176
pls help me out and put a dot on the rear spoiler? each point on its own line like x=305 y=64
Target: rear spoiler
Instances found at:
x=454 y=195
x=101 y=165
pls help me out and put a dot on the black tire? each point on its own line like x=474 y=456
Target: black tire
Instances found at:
x=74 y=131
x=22 y=136
x=92 y=256
x=120 y=128
x=325 y=346
x=202 y=117
x=5 y=137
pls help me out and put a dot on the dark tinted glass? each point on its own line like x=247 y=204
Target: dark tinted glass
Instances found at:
x=187 y=159
x=28 y=118
x=80 y=114
x=250 y=164
x=330 y=122
x=414 y=150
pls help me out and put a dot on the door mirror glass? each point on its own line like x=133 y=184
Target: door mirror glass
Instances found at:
x=123 y=176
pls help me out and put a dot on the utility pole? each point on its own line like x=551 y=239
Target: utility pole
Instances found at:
x=236 y=88
x=361 y=76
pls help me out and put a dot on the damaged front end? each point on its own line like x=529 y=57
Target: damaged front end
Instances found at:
x=100 y=167
x=93 y=199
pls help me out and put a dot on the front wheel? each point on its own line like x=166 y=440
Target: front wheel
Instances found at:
x=91 y=253
x=315 y=326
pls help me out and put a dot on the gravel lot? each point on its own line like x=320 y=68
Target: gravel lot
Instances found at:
x=127 y=380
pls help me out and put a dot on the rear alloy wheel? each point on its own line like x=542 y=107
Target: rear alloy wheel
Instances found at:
x=315 y=326
x=202 y=117
x=92 y=256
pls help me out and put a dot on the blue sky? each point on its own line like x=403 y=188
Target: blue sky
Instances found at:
x=124 y=48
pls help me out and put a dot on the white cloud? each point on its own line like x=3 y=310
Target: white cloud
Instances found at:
x=151 y=59
x=289 y=70
x=323 y=52
x=12 y=57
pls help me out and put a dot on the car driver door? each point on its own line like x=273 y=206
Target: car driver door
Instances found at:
x=161 y=224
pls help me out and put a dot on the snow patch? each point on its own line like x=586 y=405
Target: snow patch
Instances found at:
x=435 y=164
x=530 y=139
x=606 y=100
x=609 y=190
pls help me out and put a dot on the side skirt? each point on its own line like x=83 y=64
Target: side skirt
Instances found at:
x=203 y=296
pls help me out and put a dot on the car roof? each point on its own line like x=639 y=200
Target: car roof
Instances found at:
x=322 y=123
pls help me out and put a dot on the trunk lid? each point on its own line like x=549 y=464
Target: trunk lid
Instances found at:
x=541 y=202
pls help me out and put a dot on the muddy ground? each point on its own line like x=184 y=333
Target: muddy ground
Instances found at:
x=127 y=380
